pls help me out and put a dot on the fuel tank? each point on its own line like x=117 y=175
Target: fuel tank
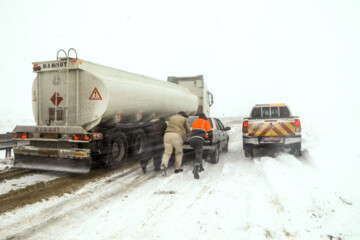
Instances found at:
x=82 y=93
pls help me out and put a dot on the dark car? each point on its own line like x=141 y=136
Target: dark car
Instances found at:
x=219 y=141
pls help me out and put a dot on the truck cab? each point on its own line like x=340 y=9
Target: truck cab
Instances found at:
x=271 y=125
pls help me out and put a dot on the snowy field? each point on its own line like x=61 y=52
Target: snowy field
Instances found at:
x=316 y=196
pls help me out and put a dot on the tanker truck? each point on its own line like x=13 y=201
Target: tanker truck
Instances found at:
x=86 y=113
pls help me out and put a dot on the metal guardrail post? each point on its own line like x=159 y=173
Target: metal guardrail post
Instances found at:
x=7 y=143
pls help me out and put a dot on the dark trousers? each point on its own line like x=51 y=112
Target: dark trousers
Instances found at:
x=197 y=145
x=153 y=148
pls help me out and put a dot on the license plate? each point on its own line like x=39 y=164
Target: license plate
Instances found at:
x=271 y=139
x=51 y=135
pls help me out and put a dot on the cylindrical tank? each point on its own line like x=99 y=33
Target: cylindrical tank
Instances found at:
x=87 y=94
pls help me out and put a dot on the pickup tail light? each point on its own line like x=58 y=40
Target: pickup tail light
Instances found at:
x=245 y=127
x=297 y=125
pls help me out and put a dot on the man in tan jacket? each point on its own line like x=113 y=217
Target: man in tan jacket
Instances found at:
x=176 y=132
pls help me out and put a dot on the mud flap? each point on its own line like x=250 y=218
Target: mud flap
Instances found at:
x=52 y=163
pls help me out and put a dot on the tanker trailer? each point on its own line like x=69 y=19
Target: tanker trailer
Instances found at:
x=86 y=112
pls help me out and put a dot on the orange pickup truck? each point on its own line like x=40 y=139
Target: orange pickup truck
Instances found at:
x=271 y=125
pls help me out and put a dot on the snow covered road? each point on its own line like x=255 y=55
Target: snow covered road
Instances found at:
x=269 y=197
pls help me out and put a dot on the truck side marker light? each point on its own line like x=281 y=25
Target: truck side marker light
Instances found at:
x=97 y=136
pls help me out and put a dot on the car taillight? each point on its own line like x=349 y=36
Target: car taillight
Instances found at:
x=297 y=125
x=245 y=127
x=81 y=137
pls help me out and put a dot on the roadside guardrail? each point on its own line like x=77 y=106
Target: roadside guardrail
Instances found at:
x=7 y=143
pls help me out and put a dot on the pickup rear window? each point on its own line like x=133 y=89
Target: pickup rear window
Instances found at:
x=270 y=112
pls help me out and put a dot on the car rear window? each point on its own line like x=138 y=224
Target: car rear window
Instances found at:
x=191 y=119
x=270 y=112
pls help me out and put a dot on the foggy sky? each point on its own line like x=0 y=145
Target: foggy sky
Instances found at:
x=303 y=53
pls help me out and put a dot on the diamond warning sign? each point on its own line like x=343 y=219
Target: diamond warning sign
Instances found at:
x=56 y=99
x=95 y=95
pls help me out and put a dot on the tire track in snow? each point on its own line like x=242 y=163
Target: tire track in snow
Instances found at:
x=79 y=204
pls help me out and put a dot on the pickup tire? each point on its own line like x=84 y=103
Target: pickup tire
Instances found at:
x=296 y=150
x=215 y=155
x=118 y=151
x=249 y=152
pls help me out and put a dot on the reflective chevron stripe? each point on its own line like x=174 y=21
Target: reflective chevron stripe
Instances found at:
x=271 y=129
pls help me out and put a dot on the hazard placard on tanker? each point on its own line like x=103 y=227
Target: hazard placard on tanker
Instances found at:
x=271 y=125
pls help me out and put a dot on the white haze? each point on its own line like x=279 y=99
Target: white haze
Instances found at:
x=305 y=54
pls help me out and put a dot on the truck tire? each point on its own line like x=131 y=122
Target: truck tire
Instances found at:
x=118 y=151
x=137 y=144
x=215 y=155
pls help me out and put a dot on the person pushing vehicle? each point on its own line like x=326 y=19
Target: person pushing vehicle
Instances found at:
x=176 y=132
x=201 y=129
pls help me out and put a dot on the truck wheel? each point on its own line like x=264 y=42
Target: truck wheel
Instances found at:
x=118 y=151
x=214 y=156
x=137 y=144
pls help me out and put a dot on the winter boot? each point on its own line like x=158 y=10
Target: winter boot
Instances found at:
x=163 y=169
x=143 y=167
x=178 y=170
x=201 y=168
x=196 y=172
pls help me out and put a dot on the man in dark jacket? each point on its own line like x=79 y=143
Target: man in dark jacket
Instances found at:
x=154 y=144
x=201 y=129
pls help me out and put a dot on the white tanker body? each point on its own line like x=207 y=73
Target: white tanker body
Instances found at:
x=86 y=112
